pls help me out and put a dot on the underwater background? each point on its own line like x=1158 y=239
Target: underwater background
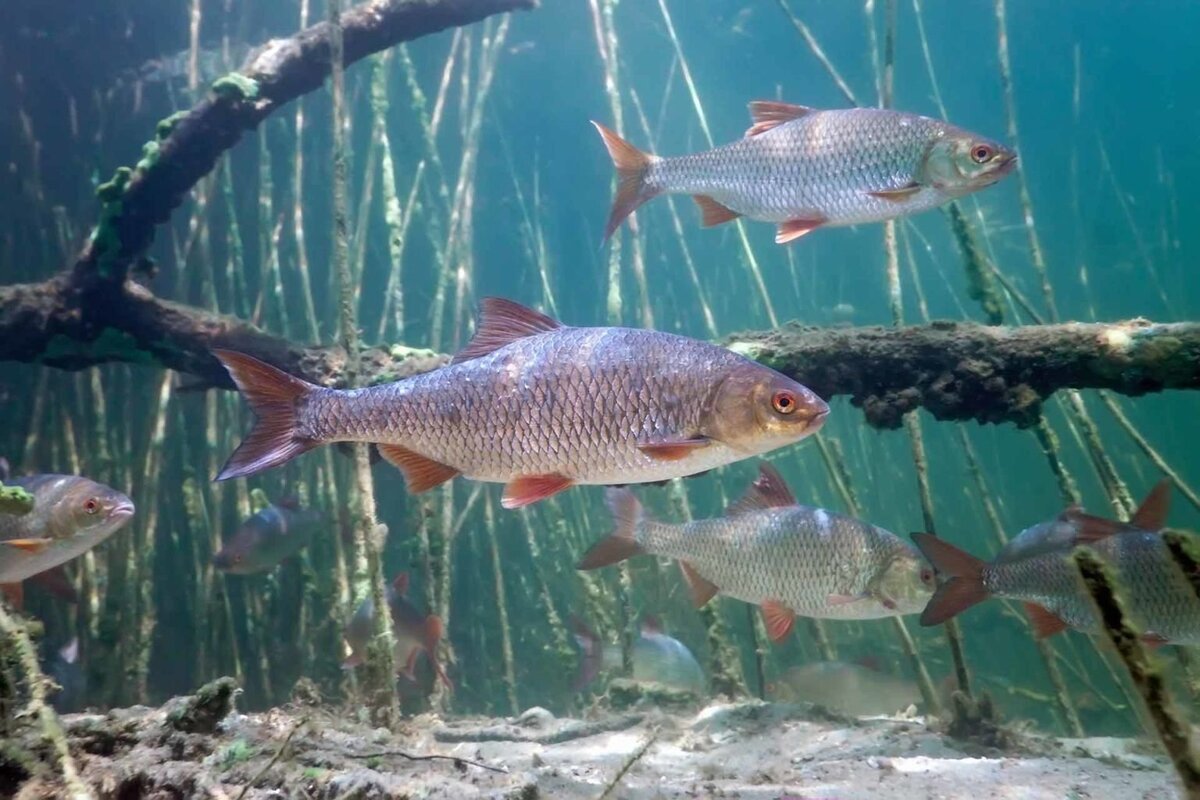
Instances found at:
x=474 y=172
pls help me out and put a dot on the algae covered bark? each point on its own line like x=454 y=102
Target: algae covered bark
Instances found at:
x=15 y=500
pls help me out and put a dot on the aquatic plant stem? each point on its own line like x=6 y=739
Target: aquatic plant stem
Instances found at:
x=819 y=53
x=380 y=667
x=506 y=648
x=1148 y=449
x=1173 y=731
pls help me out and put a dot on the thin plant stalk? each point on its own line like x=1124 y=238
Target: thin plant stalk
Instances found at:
x=819 y=53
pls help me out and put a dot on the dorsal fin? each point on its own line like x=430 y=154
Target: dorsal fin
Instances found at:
x=1151 y=515
x=768 y=114
x=502 y=322
x=768 y=491
x=1089 y=528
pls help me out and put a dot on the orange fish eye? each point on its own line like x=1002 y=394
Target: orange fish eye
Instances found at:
x=784 y=402
x=91 y=506
x=981 y=154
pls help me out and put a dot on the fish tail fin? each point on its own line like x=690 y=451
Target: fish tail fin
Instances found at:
x=593 y=653
x=433 y=636
x=622 y=543
x=965 y=585
x=632 y=168
x=274 y=396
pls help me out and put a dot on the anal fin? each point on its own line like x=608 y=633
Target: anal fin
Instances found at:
x=528 y=489
x=702 y=588
x=713 y=213
x=778 y=618
x=793 y=229
x=420 y=472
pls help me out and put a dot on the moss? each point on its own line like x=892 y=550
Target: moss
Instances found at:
x=110 y=345
x=751 y=350
x=203 y=711
x=236 y=87
x=166 y=127
x=15 y=500
x=149 y=156
x=236 y=752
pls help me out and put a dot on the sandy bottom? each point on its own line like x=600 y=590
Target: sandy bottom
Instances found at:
x=750 y=750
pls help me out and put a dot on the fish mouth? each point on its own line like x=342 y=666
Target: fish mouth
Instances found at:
x=1006 y=164
x=121 y=511
x=816 y=421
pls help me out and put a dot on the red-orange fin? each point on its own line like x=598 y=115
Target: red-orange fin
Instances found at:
x=1154 y=640
x=769 y=490
x=632 y=166
x=1151 y=515
x=528 y=489
x=28 y=545
x=713 y=213
x=420 y=473
x=778 y=618
x=14 y=593
x=1090 y=528
x=273 y=395
x=793 y=229
x=674 y=449
x=898 y=195
x=965 y=585
x=1044 y=621
x=769 y=114
x=622 y=543
x=501 y=322
x=700 y=587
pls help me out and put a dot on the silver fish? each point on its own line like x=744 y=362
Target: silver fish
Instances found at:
x=851 y=689
x=275 y=533
x=540 y=407
x=768 y=550
x=70 y=516
x=657 y=657
x=804 y=168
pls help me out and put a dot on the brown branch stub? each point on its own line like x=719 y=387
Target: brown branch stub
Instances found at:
x=960 y=371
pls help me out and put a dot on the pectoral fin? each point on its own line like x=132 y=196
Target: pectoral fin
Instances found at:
x=28 y=545
x=897 y=195
x=673 y=449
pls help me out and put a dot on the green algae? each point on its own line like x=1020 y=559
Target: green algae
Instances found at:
x=236 y=87
x=15 y=500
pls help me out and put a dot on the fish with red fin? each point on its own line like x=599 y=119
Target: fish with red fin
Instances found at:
x=415 y=633
x=657 y=657
x=275 y=533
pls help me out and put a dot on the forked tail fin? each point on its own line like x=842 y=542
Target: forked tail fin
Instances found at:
x=964 y=587
x=632 y=166
x=274 y=396
x=622 y=543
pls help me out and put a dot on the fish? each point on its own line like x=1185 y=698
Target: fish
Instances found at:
x=1073 y=527
x=805 y=168
x=70 y=516
x=789 y=559
x=415 y=633
x=540 y=407
x=1158 y=599
x=657 y=657
x=275 y=533
x=854 y=690
x=67 y=672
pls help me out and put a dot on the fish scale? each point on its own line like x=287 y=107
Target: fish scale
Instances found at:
x=800 y=556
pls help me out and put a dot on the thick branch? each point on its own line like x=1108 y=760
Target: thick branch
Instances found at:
x=960 y=371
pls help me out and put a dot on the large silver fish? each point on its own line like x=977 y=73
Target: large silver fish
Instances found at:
x=1158 y=598
x=540 y=407
x=768 y=550
x=804 y=168
x=851 y=689
x=70 y=516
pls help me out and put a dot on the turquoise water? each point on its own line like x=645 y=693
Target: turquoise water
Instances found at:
x=512 y=202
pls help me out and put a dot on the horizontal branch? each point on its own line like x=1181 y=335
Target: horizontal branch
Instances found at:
x=956 y=371
x=961 y=371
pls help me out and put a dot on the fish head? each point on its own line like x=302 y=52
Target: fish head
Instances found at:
x=905 y=583
x=959 y=162
x=89 y=510
x=755 y=409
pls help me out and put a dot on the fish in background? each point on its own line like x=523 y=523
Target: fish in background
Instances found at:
x=791 y=560
x=67 y=672
x=805 y=168
x=1037 y=569
x=275 y=533
x=70 y=516
x=852 y=689
x=415 y=633
x=539 y=407
x=657 y=657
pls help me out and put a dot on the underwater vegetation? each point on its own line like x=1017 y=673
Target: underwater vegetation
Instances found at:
x=243 y=232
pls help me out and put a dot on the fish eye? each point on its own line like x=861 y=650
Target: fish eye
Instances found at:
x=981 y=153
x=926 y=575
x=91 y=506
x=784 y=402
